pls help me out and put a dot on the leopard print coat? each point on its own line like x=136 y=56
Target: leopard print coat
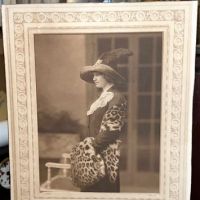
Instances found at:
x=112 y=123
x=105 y=127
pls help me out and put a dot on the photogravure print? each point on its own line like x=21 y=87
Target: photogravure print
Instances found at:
x=20 y=19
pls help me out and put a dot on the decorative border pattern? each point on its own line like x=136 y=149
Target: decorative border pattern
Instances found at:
x=177 y=17
x=177 y=78
x=119 y=16
x=22 y=109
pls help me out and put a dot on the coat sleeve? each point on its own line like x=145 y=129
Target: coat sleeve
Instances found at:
x=112 y=123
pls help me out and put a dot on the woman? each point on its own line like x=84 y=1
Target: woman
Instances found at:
x=106 y=117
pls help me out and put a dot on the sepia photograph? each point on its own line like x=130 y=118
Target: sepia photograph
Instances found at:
x=102 y=92
x=100 y=100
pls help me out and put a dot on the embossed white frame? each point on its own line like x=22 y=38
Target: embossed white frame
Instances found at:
x=176 y=21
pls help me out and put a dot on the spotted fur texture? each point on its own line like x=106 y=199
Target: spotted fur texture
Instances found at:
x=87 y=168
x=114 y=118
x=111 y=159
x=112 y=123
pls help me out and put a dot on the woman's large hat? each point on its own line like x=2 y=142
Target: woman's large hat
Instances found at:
x=106 y=64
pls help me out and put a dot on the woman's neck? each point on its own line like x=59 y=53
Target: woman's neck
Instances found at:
x=108 y=86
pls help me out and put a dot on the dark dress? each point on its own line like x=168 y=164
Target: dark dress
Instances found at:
x=105 y=124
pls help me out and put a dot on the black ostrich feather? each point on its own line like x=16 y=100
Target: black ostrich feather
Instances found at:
x=113 y=56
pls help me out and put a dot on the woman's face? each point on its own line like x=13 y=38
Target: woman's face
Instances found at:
x=99 y=80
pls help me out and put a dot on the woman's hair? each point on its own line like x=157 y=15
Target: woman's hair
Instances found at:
x=108 y=78
x=117 y=85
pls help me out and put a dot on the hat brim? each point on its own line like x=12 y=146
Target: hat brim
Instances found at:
x=86 y=73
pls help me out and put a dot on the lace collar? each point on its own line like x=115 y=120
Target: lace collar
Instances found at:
x=102 y=101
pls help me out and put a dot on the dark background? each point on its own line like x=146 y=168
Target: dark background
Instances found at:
x=195 y=193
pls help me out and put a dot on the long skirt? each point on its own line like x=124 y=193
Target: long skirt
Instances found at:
x=103 y=186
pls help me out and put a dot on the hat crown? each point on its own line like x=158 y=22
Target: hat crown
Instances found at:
x=107 y=64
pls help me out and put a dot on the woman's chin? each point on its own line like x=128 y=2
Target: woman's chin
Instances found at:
x=98 y=86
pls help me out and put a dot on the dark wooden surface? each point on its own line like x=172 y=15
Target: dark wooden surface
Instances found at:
x=195 y=190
